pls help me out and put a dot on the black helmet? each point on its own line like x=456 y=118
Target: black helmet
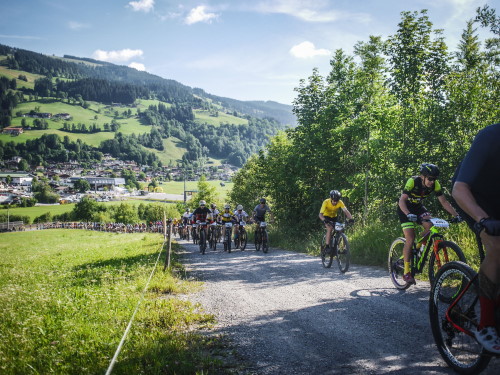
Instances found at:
x=335 y=195
x=213 y=205
x=431 y=170
x=262 y=200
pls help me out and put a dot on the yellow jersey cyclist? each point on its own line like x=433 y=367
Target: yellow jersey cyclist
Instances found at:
x=411 y=210
x=328 y=214
x=226 y=217
x=476 y=193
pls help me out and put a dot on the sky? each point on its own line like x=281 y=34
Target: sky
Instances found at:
x=241 y=49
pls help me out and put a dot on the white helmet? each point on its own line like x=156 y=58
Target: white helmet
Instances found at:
x=240 y=207
x=227 y=206
x=203 y=203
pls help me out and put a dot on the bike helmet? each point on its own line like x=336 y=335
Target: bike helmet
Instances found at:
x=203 y=203
x=213 y=205
x=187 y=209
x=335 y=195
x=262 y=200
x=240 y=207
x=430 y=170
x=226 y=206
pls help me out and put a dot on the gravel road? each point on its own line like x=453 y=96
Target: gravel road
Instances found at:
x=286 y=314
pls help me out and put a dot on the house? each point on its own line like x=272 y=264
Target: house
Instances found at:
x=13 y=131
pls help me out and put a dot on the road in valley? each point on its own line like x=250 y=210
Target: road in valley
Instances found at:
x=286 y=314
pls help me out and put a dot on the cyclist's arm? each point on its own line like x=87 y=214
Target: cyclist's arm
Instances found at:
x=347 y=213
x=447 y=206
x=463 y=195
x=402 y=203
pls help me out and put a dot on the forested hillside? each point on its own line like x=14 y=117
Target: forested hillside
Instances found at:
x=365 y=128
x=79 y=82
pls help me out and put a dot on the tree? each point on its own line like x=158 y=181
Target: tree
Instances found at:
x=82 y=185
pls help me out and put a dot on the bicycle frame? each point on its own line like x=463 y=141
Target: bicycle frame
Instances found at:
x=434 y=237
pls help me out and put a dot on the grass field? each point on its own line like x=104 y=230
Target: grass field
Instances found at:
x=10 y=73
x=177 y=187
x=202 y=116
x=68 y=295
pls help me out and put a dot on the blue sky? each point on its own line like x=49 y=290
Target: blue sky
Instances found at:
x=242 y=49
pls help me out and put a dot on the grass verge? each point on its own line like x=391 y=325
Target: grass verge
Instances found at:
x=68 y=295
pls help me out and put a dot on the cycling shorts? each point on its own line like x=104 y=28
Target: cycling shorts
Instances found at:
x=330 y=219
x=419 y=210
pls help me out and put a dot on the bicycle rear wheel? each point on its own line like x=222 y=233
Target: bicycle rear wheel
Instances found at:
x=447 y=252
x=396 y=264
x=326 y=259
x=456 y=282
x=343 y=254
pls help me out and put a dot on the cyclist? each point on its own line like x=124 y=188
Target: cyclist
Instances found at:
x=239 y=215
x=328 y=214
x=226 y=217
x=186 y=221
x=476 y=192
x=411 y=210
x=201 y=213
x=214 y=212
x=259 y=212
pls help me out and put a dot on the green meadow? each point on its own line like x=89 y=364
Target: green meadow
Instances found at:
x=202 y=116
x=10 y=73
x=67 y=297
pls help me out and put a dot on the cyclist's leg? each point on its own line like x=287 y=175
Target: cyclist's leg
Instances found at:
x=489 y=279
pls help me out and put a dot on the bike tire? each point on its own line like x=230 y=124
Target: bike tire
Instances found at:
x=459 y=350
x=228 y=241
x=243 y=239
x=265 y=242
x=447 y=251
x=257 y=240
x=326 y=259
x=343 y=253
x=203 y=242
x=395 y=263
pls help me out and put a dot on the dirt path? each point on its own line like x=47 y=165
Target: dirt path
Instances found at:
x=286 y=314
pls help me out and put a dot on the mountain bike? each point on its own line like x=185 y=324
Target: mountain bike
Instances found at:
x=227 y=236
x=241 y=238
x=261 y=237
x=440 y=251
x=454 y=312
x=339 y=247
x=194 y=233
x=202 y=225
x=212 y=236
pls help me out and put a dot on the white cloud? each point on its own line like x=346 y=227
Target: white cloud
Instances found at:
x=199 y=14
x=117 y=56
x=74 y=25
x=317 y=11
x=137 y=66
x=142 y=5
x=307 y=50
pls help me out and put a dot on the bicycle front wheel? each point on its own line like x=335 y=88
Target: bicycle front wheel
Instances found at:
x=243 y=240
x=456 y=283
x=396 y=263
x=257 y=239
x=265 y=242
x=343 y=254
x=326 y=259
x=447 y=252
x=203 y=243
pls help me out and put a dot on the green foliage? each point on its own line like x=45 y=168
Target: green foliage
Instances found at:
x=81 y=185
x=206 y=192
x=86 y=209
x=4 y=216
x=125 y=213
x=45 y=218
x=367 y=126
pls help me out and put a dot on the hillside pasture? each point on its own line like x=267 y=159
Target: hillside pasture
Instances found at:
x=11 y=73
x=202 y=116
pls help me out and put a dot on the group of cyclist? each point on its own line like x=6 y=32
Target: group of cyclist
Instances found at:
x=476 y=191
x=203 y=214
